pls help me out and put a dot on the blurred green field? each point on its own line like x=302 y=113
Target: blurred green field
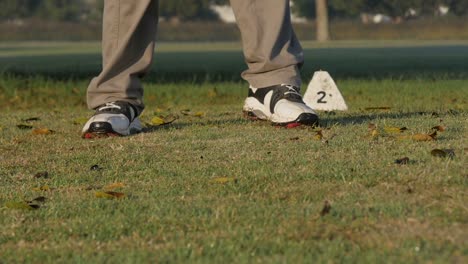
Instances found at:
x=224 y=61
x=214 y=187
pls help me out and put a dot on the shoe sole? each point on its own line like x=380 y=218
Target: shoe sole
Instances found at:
x=92 y=135
x=307 y=119
x=104 y=130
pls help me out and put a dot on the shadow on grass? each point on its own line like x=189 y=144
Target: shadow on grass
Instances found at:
x=327 y=120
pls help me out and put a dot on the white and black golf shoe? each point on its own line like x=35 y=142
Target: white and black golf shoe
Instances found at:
x=112 y=119
x=280 y=104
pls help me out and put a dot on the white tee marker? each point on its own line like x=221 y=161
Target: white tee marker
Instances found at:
x=322 y=93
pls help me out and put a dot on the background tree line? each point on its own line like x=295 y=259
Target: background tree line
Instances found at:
x=90 y=10
x=393 y=8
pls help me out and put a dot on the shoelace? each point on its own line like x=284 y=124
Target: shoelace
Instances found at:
x=292 y=90
x=109 y=106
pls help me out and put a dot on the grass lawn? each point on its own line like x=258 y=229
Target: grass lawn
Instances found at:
x=215 y=187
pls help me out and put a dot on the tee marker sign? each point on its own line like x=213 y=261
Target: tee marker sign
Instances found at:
x=322 y=94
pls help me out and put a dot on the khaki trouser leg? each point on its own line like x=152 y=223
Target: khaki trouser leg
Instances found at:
x=129 y=32
x=272 y=52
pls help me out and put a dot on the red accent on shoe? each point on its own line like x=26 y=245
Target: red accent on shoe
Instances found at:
x=97 y=135
x=88 y=136
x=293 y=125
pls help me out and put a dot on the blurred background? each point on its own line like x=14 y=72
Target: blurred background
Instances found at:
x=212 y=20
x=200 y=42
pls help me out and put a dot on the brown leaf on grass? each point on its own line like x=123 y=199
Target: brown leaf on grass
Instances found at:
x=224 y=180
x=163 y=120
x=326 y=208
x=443 y=153
x=157 y=121
x=42 y=131
x=439 y=128
x=395 y=129
x=420 y=137
x=18 y=140
x=294 y=138
x=31 y=119
x=186 y=112
x=110 y=195
x=318 y=135
x=402 y=161
x=199 y=114
x=40 y=199
x=373 y=131
x=410 y=189
x=93 y=187
x=96 y=168
x=42 y=174
x=42 y=188
x=377 y=108
x=21 y=205
x=114 y=186
x=24 y=127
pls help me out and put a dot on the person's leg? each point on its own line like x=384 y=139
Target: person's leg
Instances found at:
x=273 y=56
x=129 y=33
x=272 y=52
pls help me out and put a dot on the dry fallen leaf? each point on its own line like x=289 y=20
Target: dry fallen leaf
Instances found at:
x=188 y=112
x=40 y=199
x=318 y=135
x=93 y=187
x=24 y=127
x=420 y=137
x=439 y=128
x=31 y=119
x=21 y=205
x=373 y=131
x=42 y=188
x=395 y=129
x=109 y=195
x=42 y=174
x=326 y=208
x=377 y=108
x=159 y=120
x=199 y=114
x=443 y=153
x=42 y=131
x=223 y=180
x=96 y=168
x=402 y=161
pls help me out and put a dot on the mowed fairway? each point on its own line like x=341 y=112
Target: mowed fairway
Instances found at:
x=215 y=187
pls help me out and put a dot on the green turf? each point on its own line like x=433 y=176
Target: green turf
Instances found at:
x=223 y=61
x=269 y=210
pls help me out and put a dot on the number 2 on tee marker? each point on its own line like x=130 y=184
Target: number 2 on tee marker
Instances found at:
x=323 y=95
